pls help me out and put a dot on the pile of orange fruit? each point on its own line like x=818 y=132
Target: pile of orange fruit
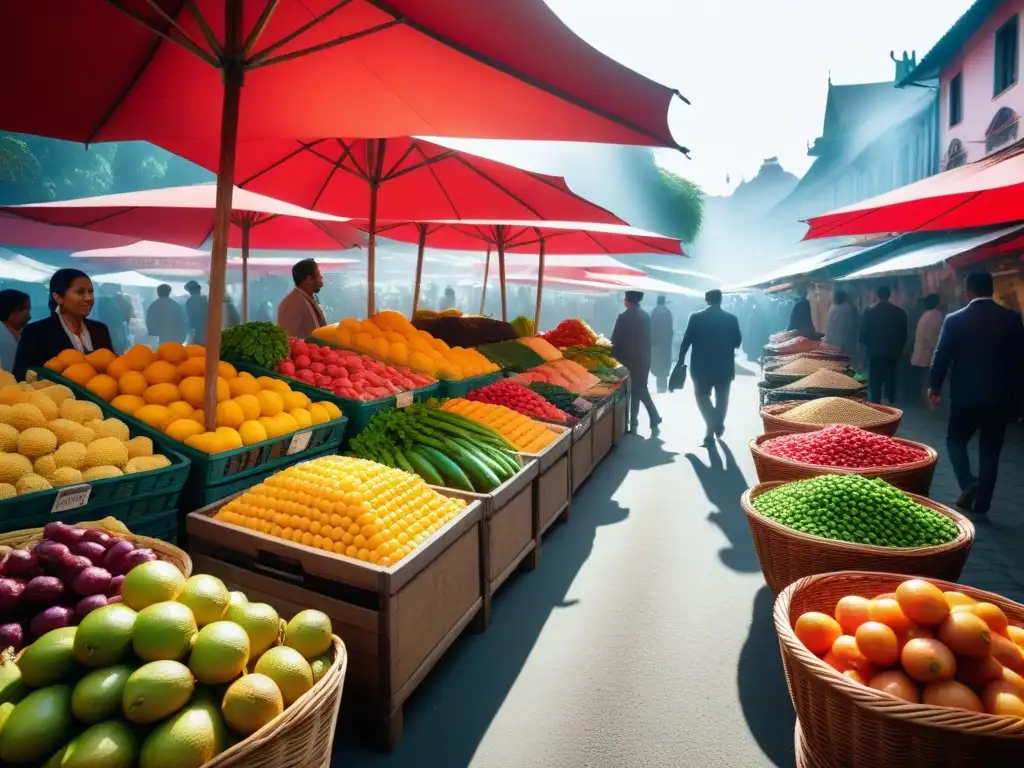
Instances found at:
x=166 y=389
x=390 y=337
x=923 y=645
x=348 y=506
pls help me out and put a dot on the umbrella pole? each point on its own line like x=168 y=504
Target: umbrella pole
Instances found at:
x=233 y=76
x=540 y=288
x=483 y=291
x=419 y=267
x=501 y=272
x=375 y=165
x=246 y=224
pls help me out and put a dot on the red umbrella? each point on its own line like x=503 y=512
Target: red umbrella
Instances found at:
x=983 y=193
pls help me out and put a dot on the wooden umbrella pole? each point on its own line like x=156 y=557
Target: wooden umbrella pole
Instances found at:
x=233 y=77
x=501 y=272
x=483 y=290
x=375 y=165
x=419 y=267
x=246 y=225
x=540 y=287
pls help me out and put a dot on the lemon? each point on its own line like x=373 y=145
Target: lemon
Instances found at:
x=152 y=582
x=207 y=597
x=164 y=631
x=220 y=653
x=250 y=703
x=261 y=623
x=156 y=690
x=309 y=632
x=286 y=667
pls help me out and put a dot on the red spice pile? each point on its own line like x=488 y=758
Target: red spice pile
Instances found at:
x=841 y=445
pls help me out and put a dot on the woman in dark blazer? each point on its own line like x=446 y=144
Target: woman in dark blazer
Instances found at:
x=71 y=301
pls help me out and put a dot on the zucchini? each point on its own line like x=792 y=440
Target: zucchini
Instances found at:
x=497 y=467
x=453 y=474
x=505 y=458
x=403 y=463
x=483 y=477
x=422 y=467
x=467 y=425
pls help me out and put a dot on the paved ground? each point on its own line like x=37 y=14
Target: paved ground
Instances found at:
x=645 y=637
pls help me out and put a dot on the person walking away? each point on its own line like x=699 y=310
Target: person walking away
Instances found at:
x=661 y=344
x=883 y=332
x=15 y=312
x=299 y=313
x=165 y=318
x=981 y=347
x=800 y=316
x=714 y=335
x=197 y=312
x=841 y=330
x=926 y=339
x=631 y=346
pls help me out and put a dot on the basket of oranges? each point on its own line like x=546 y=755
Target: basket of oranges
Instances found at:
x=889 y=671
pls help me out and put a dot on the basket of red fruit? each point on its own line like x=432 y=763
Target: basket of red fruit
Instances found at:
x=840 y=449
x=886 y=671
x=521 y=399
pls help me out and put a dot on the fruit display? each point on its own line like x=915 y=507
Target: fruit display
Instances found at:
x=524 y=326
x=923 y=645
x=443 y=448
x=564 y=373
x=511 y=355
x=855 y=509
x=571 y=333
x=825 y=380
x=465 y=331
x=841 y=445
x=522 y=432
x=518 y=398
x=348 y=374
x=169 y=677
x=388 y=336
x=166 y=390
x=50 y=439
x=596 y=357
x=836 y=410
x=352 y=507
x=542 y=347
x=560 y=397
x=259 y=343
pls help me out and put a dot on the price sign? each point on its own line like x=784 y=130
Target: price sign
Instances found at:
x=582 y=404
x=300 y=442
x=403 y=399
x=71 y=497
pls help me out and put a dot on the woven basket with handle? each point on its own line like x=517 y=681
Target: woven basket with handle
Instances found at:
x=845 y=724
x=300 y=737
x=27 y=537
x=787 y=555
x=915 y=477
x=771 y=416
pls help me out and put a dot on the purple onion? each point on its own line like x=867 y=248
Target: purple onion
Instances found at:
x=100 y=537
x=112 y=559
x=91 y=581
x=53 y=530
x=91 y=549
x=71 y=565
x=50 y=553
x=115 y=585
x=54 y=617
x=113 y=599
x=43 y=591
x=12 y=636
x=136 y=557
x=89 y=604
x=19 y=562
x=11 y=592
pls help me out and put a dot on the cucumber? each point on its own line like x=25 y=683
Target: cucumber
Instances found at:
x=483 y=478
x=454 y=476
x=403 y=463
x=422 y=467
x=505 y=458
x=385 y=457
x=467 y=425
x=497 y=467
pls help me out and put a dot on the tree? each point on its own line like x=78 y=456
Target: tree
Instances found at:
x=685 y=202
x=17 y=163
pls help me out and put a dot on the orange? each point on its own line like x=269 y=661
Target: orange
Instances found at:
x=293 y=400
x=978 y=673
x=182 y=429
x=198 y=416
x=54 y=364
x=244 y=384
x=878 y=643
x=172 y=352
x=271 y=403
x=951 y=694
x=132 y=383
x=957 y=598
x=156 y=416
x=817 y=631
x=992 y=615
x=250 y=404
x=897 y=684
x=1016 y=634
x=127 y=403
x=252 y=432
x=1007 y=653
x=194 y=366
x=80 y=373
x=226 y=370
x=230 y=414
x=195 y=350
x=912 y=631
x=103 y=387
x=139 y=356
x=100 y=359
x=318 y=414
x=922 y=602
x=70 y=357
x=303 y=418
x=229 y=438
x=851 y=611
x=161 y=394
x=193 y=390
x=274 y=385
x=161 y=372
x=966 y=635
x=928 y=661
x=118 y=368
x=847 y=652
x=223 y=390
x=181 y=409
x=887 y=611
x=1002 y=698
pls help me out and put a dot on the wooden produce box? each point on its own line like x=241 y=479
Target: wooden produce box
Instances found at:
x=581 y=454
x=603 y=429
x=553 y=484
x=508 y=532
x=396 y=622
x=620 y=412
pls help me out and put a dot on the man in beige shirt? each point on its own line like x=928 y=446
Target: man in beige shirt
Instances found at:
x=299 y=312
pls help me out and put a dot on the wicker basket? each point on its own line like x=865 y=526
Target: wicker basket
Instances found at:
x=913 y=478
x=163 y=550
x=787 y=555
x=300 y=737
x=773 y=422
x=848 y=725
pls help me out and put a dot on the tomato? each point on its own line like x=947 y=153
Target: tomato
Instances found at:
x=928 y=661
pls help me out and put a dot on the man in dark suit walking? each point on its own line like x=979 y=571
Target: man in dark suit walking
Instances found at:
x=631 y=345
x=715 y=336
x=883 y=330
x=983 y=343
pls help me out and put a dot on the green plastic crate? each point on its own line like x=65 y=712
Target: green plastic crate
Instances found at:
x=462 y=387
x=162 y=525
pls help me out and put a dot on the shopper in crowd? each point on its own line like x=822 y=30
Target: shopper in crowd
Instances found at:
x=300 y=313
x=883 y=332
x=926 y=338
x=114 y=308
x=67 y=327
x=714 y=335
x=631 y=342
x=800 y=319
x=15 y=312
x=661 y=344
x=448 y=301
x=197 y=310
x=982 y=348
x=841 y=331
x=165 y=318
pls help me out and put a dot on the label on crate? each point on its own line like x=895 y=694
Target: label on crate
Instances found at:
x=71 y=497
x=403 y=399
x=582 y=404
x=300 y=442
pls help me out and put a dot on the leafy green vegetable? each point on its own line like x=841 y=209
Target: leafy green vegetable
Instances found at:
x=260 y=343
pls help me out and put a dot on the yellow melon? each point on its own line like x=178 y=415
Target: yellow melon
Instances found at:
x=24 y=416
x=13 y=467
x=8 y=438
x=110 y=428
x=32 y=483
x=7 y=491
x=13 y=395
x=65 y=476
x=57 y=393
x=106 y=452
x=45 y=466
x=146 y=464
x=46 y=406
x=139 y=446
x=70 y=455
x=100 y=473
x=36 y=441
x=80 y=411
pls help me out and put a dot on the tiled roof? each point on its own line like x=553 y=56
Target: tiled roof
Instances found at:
x=950 y=45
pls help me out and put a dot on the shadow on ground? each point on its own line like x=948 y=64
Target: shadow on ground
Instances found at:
x=762 y=686
x=446 y=719
x=724 y=483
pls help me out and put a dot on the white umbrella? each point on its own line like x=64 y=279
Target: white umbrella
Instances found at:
x=15 y=267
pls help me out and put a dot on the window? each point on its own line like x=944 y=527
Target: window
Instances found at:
x=956 y=155
x=1007 y=37
x=956 y=99
x=1002 y=130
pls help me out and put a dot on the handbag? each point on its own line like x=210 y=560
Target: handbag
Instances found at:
x=678 y=378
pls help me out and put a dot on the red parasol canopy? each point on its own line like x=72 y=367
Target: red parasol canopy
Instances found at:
x=983 y=193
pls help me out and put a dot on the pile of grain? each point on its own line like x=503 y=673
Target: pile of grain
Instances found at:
x=836 y=410
x=807 y=365
x=823 y=379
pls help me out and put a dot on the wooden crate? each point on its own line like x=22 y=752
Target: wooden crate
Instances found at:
x=396 y=622
x=581 y=454
x=620 y=412
x=603 y=430
x=508 y=532
x=553 y=494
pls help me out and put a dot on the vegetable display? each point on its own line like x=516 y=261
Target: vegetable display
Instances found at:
x=524 y=326
x=542 y=347
x=593 y=358
x=835 y=410
x=843 y=446
x=522 y=432
x=571 y=333
x=855 y=509
x=348 y=374
x=925 y=646
x=518 y=398
x=441 y=447
x=564 y=373
x=564 y=400
x=465 y=331
x=259 y=343
x=511 y=356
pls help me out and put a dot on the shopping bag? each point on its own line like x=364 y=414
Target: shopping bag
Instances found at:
x=678 y=378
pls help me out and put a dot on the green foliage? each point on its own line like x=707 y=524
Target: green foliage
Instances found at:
x=259 y=343
x=687 y=203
